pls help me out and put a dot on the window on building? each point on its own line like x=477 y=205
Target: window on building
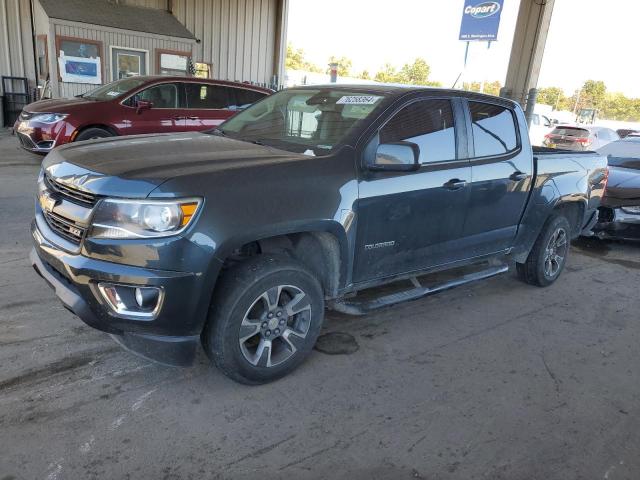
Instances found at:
x=78 y=48
x=173 y=63
x=494 y=129
x=202 y=70
x=428 y=124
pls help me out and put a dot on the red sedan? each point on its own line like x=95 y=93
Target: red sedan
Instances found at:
x=133 y=106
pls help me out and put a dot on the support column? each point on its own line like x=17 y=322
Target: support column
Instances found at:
x=527 y=50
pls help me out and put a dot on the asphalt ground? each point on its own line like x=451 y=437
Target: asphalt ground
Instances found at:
x=493 y=380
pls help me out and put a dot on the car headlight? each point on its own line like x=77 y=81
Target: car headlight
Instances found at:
x=48 y=117
x=116 y=218
x=633 y=210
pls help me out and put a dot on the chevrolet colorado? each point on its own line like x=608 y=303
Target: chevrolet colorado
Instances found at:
x=239 y=238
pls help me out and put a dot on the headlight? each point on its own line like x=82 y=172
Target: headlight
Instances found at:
x=142 y=219
x=633 y=210
x=48 y=117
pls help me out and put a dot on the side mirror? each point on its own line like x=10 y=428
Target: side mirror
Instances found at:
x=396 y=157
x=142 y=105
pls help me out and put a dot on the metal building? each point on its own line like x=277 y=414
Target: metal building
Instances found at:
x=77 y=44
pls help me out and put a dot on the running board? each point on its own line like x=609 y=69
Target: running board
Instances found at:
x=355 y=307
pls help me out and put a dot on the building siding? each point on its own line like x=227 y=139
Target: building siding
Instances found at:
x=16 y=43
x=237 y=37
x=111 y=37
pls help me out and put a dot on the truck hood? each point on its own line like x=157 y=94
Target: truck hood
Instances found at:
x=133 y=166
x=623 y=187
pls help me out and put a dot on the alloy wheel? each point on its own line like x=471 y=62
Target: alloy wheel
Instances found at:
x=556 y=252
x=275 y=326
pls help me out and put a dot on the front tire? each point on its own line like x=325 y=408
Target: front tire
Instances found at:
x=548 y=255
x=92 y=133
x=265 y=317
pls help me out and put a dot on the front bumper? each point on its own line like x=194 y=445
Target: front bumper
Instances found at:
x=41 y=137
x=615 y=223
x=170 y=338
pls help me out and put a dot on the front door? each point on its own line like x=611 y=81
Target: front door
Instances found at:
x=127 y=63
x=501 y=169
x=410 y=221
x=165 y=114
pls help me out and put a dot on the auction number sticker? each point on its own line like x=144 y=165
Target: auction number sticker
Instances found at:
x=358 y=100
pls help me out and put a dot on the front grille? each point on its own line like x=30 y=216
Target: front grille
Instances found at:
x=26 y=141
x=65 y=228
x=70 y=193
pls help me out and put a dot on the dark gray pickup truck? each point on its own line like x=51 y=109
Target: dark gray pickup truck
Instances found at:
x=240 y=237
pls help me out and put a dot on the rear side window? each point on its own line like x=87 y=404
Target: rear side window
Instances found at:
x=494 y=129
x=428 y=124
x=206 y=96
x=244 y=98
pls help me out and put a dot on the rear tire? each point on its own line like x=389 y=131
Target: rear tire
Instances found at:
x=92 y=133
x=265 y=317
x=548 y=255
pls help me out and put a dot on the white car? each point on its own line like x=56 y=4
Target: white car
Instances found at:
x=540 y=126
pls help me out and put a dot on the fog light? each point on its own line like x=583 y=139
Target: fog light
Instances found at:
x=147 y=297
x=142 y=303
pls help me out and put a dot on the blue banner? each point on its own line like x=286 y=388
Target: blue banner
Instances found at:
x=480 y=20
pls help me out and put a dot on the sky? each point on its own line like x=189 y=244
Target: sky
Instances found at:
x=588 y=39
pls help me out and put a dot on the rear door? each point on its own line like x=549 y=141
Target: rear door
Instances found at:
x=410 y=221
x=208 y=105
x=501 y=172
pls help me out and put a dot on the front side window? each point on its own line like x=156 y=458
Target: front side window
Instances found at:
x=161 y=96
x=494 y=129
x=311 y=121
x=428 y=124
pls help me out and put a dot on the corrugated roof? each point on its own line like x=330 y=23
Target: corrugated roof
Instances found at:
x=109 y=14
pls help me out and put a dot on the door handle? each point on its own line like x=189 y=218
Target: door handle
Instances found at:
x=178 y=117
x=518 y=176
x=192 y=118
x=455 y=184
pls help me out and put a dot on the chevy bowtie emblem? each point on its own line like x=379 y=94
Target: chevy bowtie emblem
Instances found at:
x=47 y=202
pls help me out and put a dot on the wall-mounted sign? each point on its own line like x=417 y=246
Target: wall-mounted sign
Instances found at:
x=480 y=20
x=79 y=69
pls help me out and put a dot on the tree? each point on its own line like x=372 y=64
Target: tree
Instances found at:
x=416 y=73
x=295 y=60
x=344 y=65
x=555 y=97
x=490 y=88
x=365 y=75
x=388 y=74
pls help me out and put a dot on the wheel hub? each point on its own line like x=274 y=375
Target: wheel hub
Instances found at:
x=277 y=321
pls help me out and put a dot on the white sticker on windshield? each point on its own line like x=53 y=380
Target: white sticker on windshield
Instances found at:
x=113 y=94
x=358 y=100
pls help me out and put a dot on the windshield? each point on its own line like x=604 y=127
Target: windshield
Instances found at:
x=115 y=89
x=310 y=121
x=571 y=132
